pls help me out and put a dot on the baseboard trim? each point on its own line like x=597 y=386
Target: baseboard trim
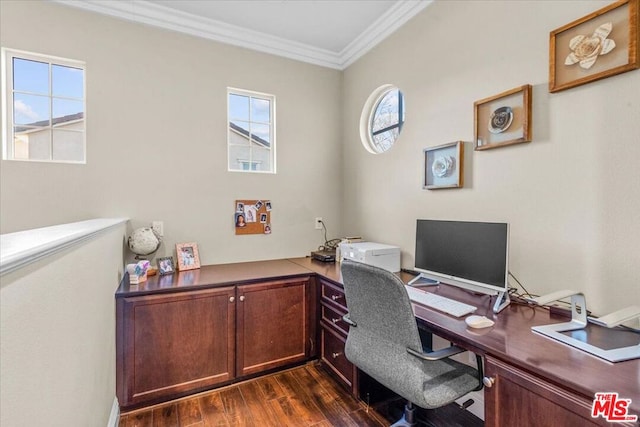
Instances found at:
x=114 y=417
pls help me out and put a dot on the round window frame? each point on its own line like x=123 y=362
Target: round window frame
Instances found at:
x=366 y=117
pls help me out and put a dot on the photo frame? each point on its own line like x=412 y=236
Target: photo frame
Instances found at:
x=165 y=265
x=599 y=45
x=443 y=166
x=188 y=256
x=503 y=119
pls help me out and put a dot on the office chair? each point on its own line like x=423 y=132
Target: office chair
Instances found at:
x=384 y=342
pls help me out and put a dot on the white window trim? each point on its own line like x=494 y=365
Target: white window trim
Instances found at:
x=6 y=75
x=366 y=117
x=272 y=128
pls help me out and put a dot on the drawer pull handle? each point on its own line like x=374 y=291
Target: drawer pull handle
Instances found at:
x=232 y=299
x=336 y=355
x=241 y=297
x=336 y=297
x=336 y=320
x=488 y=381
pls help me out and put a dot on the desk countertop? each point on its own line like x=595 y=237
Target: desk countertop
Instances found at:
x=510 y=339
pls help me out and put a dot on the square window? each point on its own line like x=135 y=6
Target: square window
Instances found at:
x=45 y=108
x=251 y=131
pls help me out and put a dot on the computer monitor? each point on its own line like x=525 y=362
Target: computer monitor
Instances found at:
x=471 y=255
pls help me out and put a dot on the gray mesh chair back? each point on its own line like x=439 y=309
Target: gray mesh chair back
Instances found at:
x=385 y=328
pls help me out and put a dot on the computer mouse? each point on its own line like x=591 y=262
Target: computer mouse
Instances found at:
x=475 y=321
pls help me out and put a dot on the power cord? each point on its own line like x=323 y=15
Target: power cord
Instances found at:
x=329 y=245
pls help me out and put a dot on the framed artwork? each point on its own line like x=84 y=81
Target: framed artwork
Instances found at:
x=601 y=44
x=165 y=265
x=443 y=166
x=188 y=256
x=503 y=119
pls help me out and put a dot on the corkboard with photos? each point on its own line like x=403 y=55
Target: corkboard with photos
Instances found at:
x=252 y=217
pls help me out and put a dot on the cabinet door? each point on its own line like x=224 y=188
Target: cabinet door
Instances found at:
x=175 y=344
x=518 y=398
x=273 y=327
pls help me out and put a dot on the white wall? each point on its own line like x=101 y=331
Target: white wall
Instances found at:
x=57 y=335
x=157 y=131
x=572 y=196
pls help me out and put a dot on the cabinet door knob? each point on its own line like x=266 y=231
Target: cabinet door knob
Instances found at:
x=335 y=355
x=241 y=297
x=232 y=299
x=336 y=320
x=336 y=297
x=488 y=381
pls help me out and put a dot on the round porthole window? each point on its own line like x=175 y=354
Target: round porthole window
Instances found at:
x=382 y=119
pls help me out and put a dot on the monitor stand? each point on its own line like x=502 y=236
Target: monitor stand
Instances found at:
x=502 y=301
x=422 y=280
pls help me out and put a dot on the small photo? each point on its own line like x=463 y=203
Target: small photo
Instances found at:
x=239 y=207
x=268 y=206
x=240 y=220
x=263 y=218
x=258 y=204
x=267 y=229
x=250 y=214
x=188 y=256
x=165 y=265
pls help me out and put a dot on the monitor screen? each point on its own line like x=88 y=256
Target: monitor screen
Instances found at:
x=464 y=253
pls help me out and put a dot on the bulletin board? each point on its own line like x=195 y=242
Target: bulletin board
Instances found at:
x=252 y=217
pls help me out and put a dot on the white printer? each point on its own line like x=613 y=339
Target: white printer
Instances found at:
x=378 y=254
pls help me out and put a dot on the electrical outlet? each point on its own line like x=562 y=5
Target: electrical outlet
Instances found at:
x=318 y=223
x=158 y=227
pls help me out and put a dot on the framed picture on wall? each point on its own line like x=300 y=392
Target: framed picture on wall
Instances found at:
x=503 y=119
x=601 y=44
x=188 y=256
x=443 y=166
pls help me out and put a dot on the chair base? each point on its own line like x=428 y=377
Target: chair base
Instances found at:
x=408 y=418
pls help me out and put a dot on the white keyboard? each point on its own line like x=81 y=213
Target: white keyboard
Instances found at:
x=446 y=305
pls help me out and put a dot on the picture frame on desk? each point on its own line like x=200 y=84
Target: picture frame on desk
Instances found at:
x=599 y=45
x=188 y=256
x=165 y=265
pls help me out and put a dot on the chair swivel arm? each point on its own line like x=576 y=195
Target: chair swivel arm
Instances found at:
x=438 y=354
x=348 y=320
x=447 y=352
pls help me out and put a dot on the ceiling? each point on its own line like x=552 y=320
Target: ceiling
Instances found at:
x=331 y=33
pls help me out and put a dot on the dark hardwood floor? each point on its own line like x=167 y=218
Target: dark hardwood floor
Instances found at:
x=303 y=396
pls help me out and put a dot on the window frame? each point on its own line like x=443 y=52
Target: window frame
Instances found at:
x=272 y=131
x=368 y=114
x=6 y=72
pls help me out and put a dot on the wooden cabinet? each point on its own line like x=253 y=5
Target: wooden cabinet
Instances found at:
x=174 y=343
x=518 y=398
x=333 y=334
x=273 y=325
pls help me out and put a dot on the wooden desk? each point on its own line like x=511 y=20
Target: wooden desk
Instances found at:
x=525 y=365
x=537 y=380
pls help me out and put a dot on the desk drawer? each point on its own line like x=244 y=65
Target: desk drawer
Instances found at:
x=333 y=317
x=333 y=355
x=333 y=294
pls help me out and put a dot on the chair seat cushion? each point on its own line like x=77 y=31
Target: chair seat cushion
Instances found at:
x=428 y=384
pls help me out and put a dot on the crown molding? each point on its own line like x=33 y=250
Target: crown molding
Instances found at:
x=380 y=29
x=145 y=12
